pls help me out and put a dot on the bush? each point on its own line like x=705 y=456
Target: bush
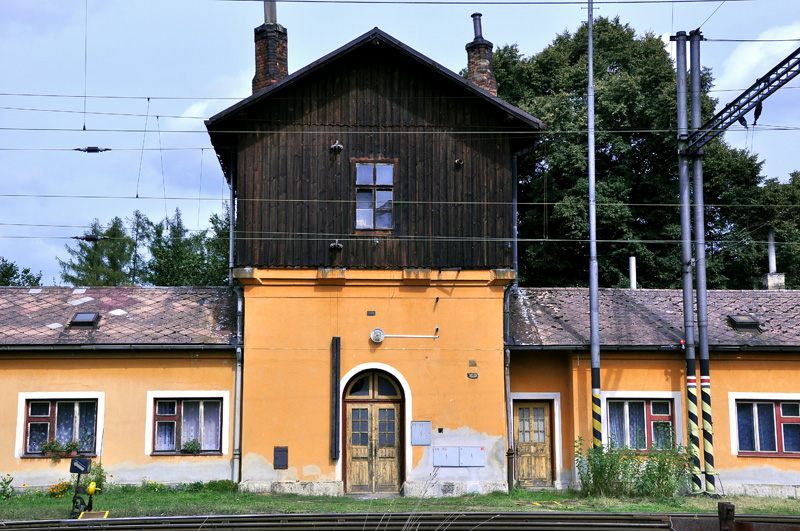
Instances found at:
x=195 y=486
x=220 y=485
x=6 y=490
x=660 y=472
x=97 y=474
x=604 y=470
x=665 y=471
x=154 y=486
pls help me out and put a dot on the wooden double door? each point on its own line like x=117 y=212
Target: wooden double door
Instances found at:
x=532 y=440
x=373 y=435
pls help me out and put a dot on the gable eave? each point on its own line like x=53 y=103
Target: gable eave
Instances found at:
x=214 y=123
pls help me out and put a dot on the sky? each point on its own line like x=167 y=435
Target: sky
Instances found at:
x=138 y=77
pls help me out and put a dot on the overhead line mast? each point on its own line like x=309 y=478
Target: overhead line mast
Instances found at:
x=748 y=100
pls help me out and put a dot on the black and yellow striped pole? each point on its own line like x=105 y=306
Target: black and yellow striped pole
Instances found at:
x=694 y=431
x=708 y=430
x=597 y=420
x=700 y=268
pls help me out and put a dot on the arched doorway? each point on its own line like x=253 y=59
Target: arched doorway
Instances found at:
x=373 y=435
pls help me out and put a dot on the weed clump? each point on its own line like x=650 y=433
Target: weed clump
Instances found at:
x=660 y=472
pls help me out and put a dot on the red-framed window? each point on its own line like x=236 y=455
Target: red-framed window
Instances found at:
x=62 y=420
x=768 y=427
x=640 y=423
x=177 y=421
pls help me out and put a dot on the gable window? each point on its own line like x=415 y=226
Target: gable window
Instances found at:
x=374 y=193
x=61 y=420
x=178 y=421
x=768 y=427
x=640 y=424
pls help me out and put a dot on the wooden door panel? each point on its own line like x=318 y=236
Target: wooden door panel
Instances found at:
x=532 y=441
x=387 y=477
x=359 y=465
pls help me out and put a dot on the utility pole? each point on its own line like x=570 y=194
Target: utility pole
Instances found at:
x=695 y=37
x=686 y=261
x=594 y=307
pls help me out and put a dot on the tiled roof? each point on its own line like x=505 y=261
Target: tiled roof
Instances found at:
x=128 y=316
x=559 y=317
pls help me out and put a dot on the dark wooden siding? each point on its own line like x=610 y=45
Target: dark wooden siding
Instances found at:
x=296 y=196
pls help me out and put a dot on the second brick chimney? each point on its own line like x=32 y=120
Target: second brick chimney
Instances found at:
x=479 y=59
x=272 y=61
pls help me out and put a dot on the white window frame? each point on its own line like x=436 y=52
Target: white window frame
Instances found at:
x=733 y=418
x=558 y=459
x=374 y=188
x=673 y=396
x=56 y=396
x=153 y=396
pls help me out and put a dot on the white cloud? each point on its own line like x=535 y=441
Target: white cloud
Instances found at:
x=751 y=60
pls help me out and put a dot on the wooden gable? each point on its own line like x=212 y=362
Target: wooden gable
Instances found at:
x=293 y=148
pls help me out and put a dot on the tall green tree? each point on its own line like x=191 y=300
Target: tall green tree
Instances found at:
x=783 y=214
x=102 y=259
x=180 y=258
x=635 y=160
x=12 y=275
x=218 y=248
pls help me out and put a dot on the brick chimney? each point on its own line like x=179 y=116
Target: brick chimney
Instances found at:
x=272 y=62
x=479 y=59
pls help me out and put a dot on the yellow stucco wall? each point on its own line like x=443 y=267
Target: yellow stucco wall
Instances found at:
x=742 y=376
x=751 y=377
x=291 y=318
x=122 y=383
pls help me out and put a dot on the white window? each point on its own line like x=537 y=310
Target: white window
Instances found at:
x=62 y=420
x=180 y=421
x=175 y=418
x=374 y=193
x=66 y=417
x=768 y=427
x=640 y=424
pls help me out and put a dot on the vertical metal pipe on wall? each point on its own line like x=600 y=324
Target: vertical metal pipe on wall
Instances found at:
x=695 y=37
x=239 y=378
x=511 y=452
x=594 y=306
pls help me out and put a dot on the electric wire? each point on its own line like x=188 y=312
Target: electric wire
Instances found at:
x=163 y=178
x=85 y=60
x=712 y=14
x=490 y=2
x=141 y=157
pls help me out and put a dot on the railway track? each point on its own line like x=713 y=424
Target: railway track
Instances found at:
x=482 y=521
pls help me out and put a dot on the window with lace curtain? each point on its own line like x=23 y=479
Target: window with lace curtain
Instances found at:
x=179 y=421
x=62 y=420
x=640 y=424
x=768 y=427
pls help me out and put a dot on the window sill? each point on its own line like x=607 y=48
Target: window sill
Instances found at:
x=65 y=456
x=185 y=454
x=374 y=232
x=769 y=455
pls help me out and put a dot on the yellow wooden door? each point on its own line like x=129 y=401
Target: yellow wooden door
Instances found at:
x=532 y=442
x=373 y=448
